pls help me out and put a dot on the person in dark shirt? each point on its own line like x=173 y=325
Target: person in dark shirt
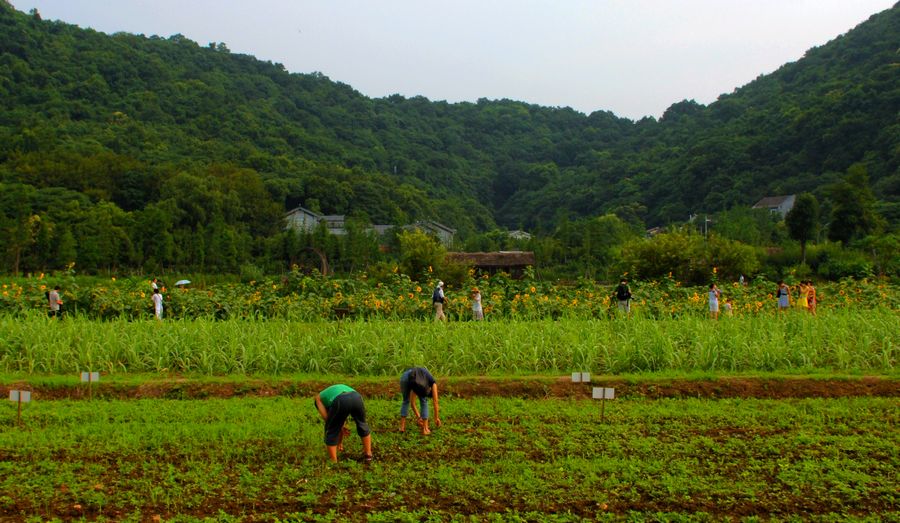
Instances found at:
x=419 y=381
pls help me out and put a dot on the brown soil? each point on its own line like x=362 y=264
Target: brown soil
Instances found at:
x=529 y=388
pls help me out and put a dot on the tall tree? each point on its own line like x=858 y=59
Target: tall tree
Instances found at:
x=853 y=212
x=803 y=221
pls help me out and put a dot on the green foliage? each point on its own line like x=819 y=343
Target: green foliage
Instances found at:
x=494 y=459
x=853 y=213
x=420 y=254
x=803 y=221
x=154 y=153
x=690 y=257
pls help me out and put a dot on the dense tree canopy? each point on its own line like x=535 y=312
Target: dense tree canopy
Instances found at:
x=131 y=151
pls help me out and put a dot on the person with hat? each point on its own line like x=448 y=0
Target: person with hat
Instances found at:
x=335 y=404
x=437 y=298
x=418 y=381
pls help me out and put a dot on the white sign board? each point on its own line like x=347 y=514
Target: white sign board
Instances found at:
x=23 y=396
x=604 y=393
x=581 y=377
x=90 y=376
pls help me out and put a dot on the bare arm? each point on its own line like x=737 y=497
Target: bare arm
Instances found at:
x=437 y=408
x=321 y=407
x=413 y=399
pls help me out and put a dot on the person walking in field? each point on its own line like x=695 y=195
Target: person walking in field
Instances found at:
x=157 y=304
x=810 y=297
x=437 y=298
x=623 y=296
x=714 y=294
x=477 y=310
x=335 y=404
x=802 y=300
x=418 y=381
x=783 y=294
x=54 y=302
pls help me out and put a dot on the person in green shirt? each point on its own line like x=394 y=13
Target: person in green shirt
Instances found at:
x=335 y=404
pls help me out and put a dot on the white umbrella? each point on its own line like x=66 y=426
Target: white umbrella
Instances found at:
x=182 y=282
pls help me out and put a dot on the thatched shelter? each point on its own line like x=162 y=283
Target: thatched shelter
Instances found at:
x=511 y=262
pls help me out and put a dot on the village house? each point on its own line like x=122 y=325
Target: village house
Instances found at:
x=304 y=220
x=777 y=204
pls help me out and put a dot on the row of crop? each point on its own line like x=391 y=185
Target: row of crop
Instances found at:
x=493 y=459
x=844 y=340
x=300 y=297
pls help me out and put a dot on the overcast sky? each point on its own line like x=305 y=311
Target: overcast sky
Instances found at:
x=631 y=57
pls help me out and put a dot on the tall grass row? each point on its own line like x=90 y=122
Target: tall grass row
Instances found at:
x=848 y=341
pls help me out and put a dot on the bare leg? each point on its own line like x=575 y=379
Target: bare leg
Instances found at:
x=402 y=424
x=425 y=429
x=332 y=452
x=367 y=445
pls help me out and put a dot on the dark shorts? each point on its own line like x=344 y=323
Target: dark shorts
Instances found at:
x=347 y=404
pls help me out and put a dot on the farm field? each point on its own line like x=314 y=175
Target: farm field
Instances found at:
x=843 y=341
x=495 y=458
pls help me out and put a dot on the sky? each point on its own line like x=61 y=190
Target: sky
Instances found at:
x=632 y=57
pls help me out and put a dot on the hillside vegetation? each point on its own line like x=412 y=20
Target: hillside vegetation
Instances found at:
x=127 y=150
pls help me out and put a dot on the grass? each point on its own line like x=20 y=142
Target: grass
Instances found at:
x=494 y=459
x=842 y=341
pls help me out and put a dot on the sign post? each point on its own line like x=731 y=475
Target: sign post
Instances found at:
x=20 y=397
x=581 y=377
x=90 y=378
x=603 y=394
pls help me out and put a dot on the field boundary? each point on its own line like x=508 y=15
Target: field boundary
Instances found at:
x=472 y=387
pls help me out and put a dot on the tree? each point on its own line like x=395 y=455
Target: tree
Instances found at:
x=419 y=252
x=853 y=207
x=803 y=221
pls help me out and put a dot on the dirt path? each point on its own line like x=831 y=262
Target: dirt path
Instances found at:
x=526 y=387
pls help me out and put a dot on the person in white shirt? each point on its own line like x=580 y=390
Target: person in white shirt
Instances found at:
x=157 y=304
x=477 y=310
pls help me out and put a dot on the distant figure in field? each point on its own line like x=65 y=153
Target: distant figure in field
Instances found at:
x=54 y=302
x=623 y=296
x=729 y=307
x=420 y=382
x=810 y=297
x=714 y=294
x=157 y=304
x=741 y=281
x=437 y=298
x=802 y=300
x=783 y=294
x=154 y=284
x=477 y=310
x=335 y=404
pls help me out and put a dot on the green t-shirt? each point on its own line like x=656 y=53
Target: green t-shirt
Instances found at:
x=327 y=396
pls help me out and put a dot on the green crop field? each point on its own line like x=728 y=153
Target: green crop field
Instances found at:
x=841 y=340
x=163 y=438
x=493 y=459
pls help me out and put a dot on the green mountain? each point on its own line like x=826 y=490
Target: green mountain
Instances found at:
x=142 y=134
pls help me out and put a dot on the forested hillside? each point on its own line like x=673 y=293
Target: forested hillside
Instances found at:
x=126 y=150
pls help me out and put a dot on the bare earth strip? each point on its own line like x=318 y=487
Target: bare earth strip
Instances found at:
x=535 y=387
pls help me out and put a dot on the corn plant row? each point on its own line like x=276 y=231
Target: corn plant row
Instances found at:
x=841 y=340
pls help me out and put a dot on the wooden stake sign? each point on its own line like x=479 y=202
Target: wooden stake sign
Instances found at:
x=603 y=393
x=581 y=377
x=90 y=378
x=20 y=397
